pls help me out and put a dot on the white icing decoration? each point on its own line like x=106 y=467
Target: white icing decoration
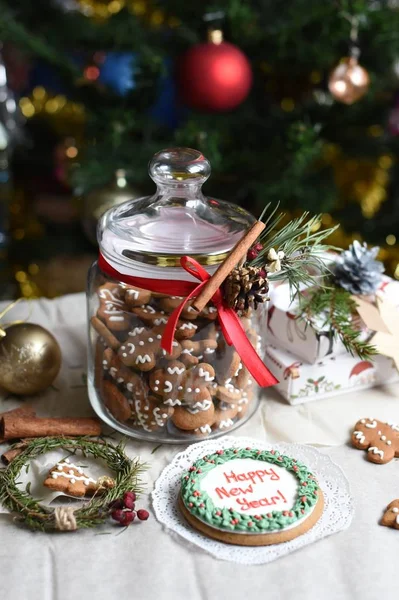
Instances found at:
x=393 y=426
x=389 y=443
x=205 y=405
x=187 y=350
x=207 y=376
x=157 y=382
x=131 y=347
x=226 y=423
x=168 y=387
x=172 y=370
x=136 y=330
x=112 y=298
x=363 y=421
x=397 y=520
x=212 y=309
x=116 y=318
x=129 y=387
x=160 y=321
x=188 y=326
x=134 y=293
x=383 y=438
x=180 y=387
x=197 y=390
x=173 y=402
x=148 y=309
x=141 y=343
x=189 y=390
x=372 y=425
x=156 y=388
x=205 y=429
x=377 y=451
x=395 y=509
x=143 y=359
x=209 y=350
x=359 y=435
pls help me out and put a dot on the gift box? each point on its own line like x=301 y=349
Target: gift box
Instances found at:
x=311 y=342
x=300 y=382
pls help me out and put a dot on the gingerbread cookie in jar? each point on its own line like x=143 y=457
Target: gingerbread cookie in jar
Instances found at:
x=175 y=349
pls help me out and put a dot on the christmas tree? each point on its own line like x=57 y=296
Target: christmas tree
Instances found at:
x=293 y=102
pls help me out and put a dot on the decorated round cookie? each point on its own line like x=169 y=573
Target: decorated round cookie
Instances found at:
x=250 y=497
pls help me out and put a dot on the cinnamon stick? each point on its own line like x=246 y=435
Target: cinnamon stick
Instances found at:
x=239 y=250
x=26 y=411
x=16 y=427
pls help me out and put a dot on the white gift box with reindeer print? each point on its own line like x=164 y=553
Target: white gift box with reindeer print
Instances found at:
x=301 y=382
x=311 y=342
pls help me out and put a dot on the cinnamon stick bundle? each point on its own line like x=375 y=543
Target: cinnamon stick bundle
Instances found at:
x=14 y=427
x=22 y=411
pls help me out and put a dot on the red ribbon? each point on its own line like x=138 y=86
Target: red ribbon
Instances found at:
x=232 y=328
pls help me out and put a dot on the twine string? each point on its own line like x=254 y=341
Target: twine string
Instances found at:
x=65 y=518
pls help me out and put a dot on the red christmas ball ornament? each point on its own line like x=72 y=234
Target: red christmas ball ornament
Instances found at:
x=214 y=76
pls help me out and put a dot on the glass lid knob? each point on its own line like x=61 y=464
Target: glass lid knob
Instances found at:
x=179 y=166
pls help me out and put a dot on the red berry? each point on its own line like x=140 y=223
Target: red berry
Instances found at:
x=130 y=495
x=303 y=499
x=143 y=514
x=218 y=513
x=202 y=505
x=127 y=517
x=117 y=514
x=129 y=501
x=250 y=524
x=258 y=246
x=252 y=254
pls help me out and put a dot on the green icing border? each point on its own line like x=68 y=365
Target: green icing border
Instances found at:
x=199 y=504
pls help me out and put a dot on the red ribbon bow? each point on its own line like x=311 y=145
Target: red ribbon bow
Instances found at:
x=232 y=328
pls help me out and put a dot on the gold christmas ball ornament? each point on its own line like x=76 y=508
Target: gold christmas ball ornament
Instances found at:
x=30 y=358
x=99 y=200
x=349 y=81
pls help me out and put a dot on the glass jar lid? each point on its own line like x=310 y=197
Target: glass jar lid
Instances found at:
x=177 y=220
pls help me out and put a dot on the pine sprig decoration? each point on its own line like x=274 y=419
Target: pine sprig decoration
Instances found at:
x=299 y=247
x=338 y=309
x=96 y=510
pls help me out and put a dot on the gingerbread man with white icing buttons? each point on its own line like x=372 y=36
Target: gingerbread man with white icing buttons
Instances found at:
x=143 y=346
x=381 y=440
x=197 y=384
x=391 y=515
x=169 y=382
x=113 y=310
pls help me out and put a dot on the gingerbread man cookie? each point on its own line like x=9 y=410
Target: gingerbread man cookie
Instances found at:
x=197 y=384
x=381 y=440
x=203 y=349
x=143 y=346
x=113 y=310
x=71 y=480
x=191 y=418
x=391 y=515
x=169 y=383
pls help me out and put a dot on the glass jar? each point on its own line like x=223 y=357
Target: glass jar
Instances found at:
x=202 y=388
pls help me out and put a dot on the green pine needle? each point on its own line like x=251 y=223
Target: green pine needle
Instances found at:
x=338 y=308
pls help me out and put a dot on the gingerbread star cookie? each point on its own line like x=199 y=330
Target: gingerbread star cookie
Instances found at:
x=71 y=480
x=391 y=515
x=381 y=440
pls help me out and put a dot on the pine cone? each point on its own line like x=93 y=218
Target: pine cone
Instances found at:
x=245 y=288
x=357 y=271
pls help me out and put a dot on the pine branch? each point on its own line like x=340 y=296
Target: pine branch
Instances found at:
x=338 y=310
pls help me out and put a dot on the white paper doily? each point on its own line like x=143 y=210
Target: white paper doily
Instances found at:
x=337 y=515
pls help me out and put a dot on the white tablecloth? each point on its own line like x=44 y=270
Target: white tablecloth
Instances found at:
x=147 y=563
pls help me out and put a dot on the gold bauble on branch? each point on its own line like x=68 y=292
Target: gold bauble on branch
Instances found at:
x=349 y=81
x=30 y=359
x=99 y=200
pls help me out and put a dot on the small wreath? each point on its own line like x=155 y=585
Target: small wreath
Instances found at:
x=94 y=512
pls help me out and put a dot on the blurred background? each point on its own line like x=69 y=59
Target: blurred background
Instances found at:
x=293 y=101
